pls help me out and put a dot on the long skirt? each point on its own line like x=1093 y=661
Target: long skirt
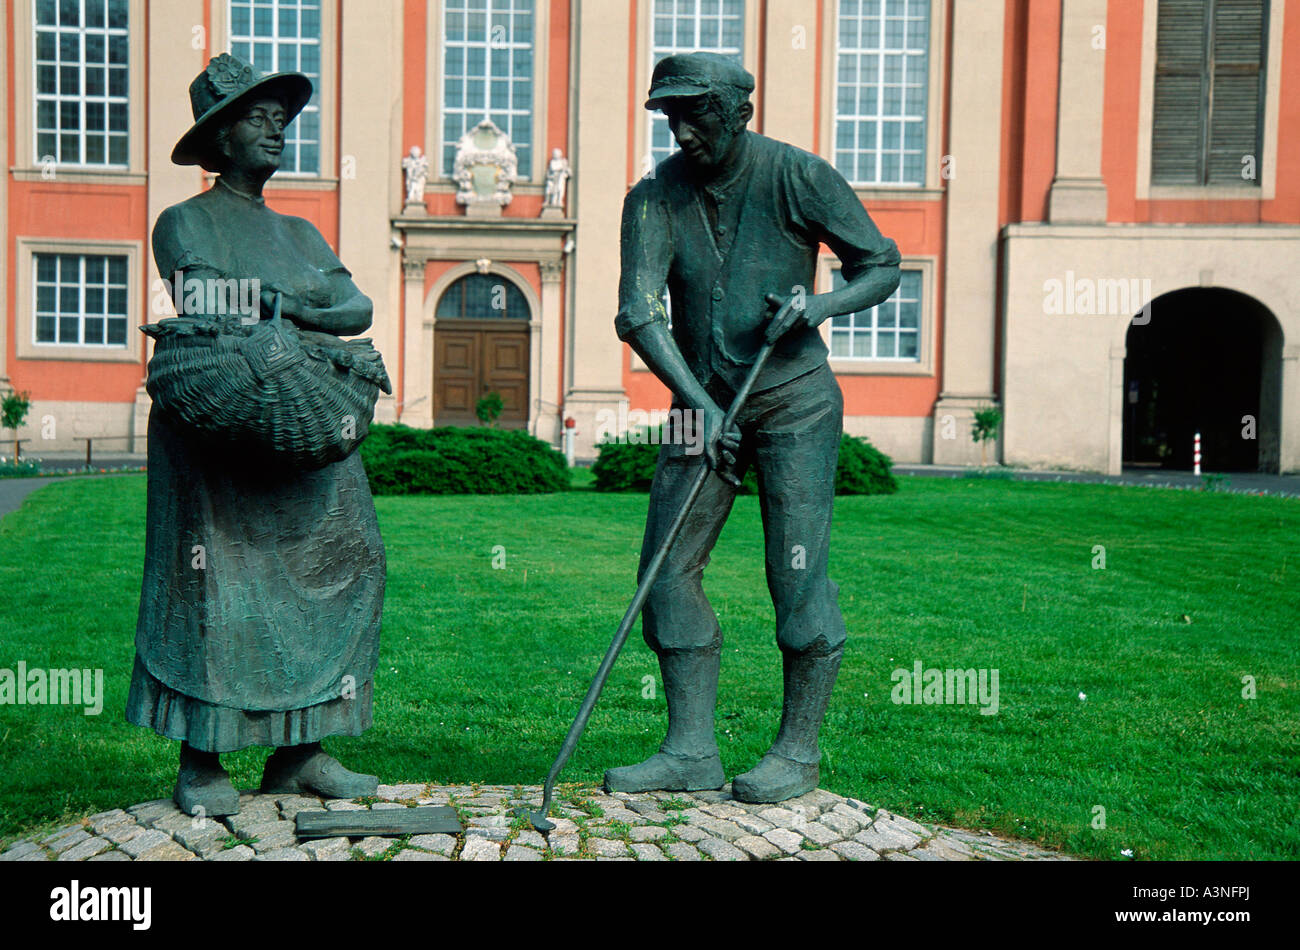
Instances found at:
x=262 y=597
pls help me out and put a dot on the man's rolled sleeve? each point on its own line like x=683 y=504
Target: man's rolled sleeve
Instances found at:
x=826 y=208
x=646 y=248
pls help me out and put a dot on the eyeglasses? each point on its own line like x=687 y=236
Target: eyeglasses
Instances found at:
x=259 y=120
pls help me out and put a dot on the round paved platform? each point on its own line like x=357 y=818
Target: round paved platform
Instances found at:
x=590 y=825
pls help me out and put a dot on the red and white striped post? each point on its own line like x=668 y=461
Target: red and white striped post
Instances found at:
x=1196 y=456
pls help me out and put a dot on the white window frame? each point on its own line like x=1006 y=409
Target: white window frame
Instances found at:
x=326 y=97
x=532 y=178
x=28 y=166
x=27 y=348
x=875 y=115
x=933 y=187
x=889 y=366
x=868 y=324
x=83 y=99
x=465 y=111
x=83 y=287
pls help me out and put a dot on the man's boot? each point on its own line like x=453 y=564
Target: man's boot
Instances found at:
x=790 y=767
x=202 y=786
x=307 y=768
x=688 y=759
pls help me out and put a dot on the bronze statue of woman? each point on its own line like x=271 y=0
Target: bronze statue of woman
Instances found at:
x=263 y=579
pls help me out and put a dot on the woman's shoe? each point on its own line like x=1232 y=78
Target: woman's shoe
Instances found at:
x=203 y=787
x=307 y=768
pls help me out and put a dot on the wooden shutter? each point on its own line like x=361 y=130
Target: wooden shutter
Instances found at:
x=1237 y=91
x=1181 y=93
x=1208 y=91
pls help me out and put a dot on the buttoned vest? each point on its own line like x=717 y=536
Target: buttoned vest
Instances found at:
x=717 y=289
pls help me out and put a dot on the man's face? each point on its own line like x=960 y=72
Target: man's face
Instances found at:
x=257 y=140
x=703 y=134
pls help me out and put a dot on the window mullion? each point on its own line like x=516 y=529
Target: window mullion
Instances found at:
x=875 y=330
x=36 y=307
x=81 y=299
x=858 y=156
x=879 y=170
x=81 y=83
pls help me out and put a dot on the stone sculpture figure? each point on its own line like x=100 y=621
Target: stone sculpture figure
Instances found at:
x=264 y=577
x=416 y=167
x=558 y=173
x=730 y=219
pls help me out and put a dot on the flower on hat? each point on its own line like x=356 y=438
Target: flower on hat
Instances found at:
x=228 y=75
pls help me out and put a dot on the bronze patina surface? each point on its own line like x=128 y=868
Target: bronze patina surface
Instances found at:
x=726 y=223
x=264 y=569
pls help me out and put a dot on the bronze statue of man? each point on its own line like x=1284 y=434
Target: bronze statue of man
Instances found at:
x=264 y=578
x=730 y=220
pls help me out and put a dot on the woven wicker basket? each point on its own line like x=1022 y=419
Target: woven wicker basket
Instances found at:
x=308 y=397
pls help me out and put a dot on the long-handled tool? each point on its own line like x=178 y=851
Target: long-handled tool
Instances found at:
x=538 y=818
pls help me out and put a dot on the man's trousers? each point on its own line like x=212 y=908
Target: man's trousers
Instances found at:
x=791 y=434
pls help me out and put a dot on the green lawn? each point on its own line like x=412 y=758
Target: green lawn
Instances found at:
x=482 y=670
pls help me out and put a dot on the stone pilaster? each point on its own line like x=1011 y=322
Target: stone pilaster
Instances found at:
x=1078 y=194
x=970 y=306
x=595 y=366
x=369 y=171
x=173 y=62
x=546 y=355
x=416 y=408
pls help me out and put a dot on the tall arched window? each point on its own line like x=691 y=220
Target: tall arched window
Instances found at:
x=483 y=297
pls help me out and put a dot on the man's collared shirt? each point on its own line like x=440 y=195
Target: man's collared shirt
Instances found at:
x=722 y=246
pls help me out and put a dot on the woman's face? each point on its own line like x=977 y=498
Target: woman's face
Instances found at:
x=254 y=142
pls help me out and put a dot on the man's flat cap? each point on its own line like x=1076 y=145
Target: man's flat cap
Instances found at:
x=694 y=74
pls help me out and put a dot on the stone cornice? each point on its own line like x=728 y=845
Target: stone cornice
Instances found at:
x=463 y=238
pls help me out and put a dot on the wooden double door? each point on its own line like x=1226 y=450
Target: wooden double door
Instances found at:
x=473 y=358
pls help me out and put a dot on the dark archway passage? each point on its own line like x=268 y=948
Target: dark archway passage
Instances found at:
x=1209 y=361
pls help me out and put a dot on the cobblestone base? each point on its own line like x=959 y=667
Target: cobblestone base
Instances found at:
x=589 y=825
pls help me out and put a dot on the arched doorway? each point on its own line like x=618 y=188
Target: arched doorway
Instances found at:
x=1205 y=360
x=481 y=345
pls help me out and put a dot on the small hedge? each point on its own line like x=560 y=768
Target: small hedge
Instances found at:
x=862 y=469
x=623 y=466
x=401 y=460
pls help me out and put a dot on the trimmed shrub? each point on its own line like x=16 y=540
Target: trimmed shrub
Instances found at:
x=862 y=469
x=623 y=466
x=401 y=460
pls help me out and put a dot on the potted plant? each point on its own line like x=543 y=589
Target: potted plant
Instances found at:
x=13 y=413
x=988 y=419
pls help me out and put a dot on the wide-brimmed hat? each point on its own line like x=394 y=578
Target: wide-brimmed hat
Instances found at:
x=216 y=94
x=694 y=74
